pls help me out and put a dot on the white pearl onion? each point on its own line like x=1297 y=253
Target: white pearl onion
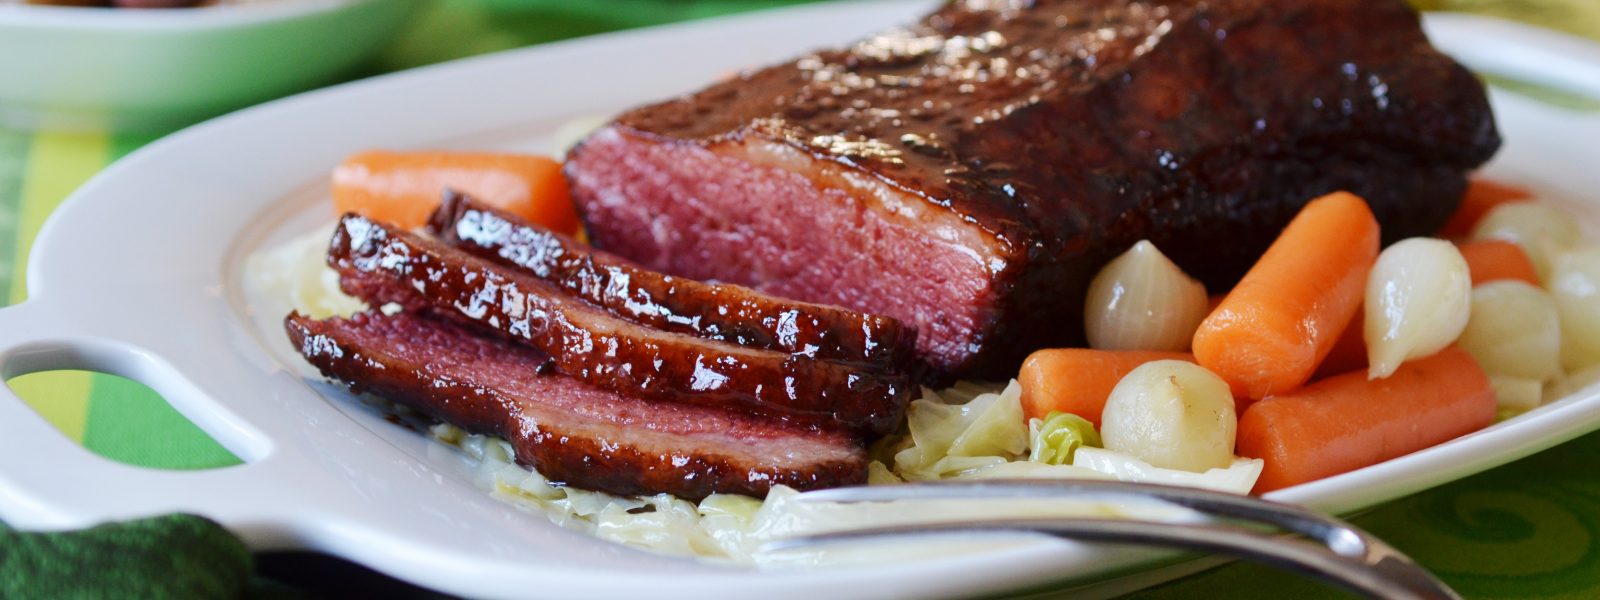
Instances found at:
x=1515 y=395
x=1418 y=301
x=1514 y=331
x=1575 y=285
x=1543 y=232
x=1572 y=383
x=1171 y=414
x=1142 y=301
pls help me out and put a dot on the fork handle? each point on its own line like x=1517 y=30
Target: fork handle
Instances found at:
x=1389 y=575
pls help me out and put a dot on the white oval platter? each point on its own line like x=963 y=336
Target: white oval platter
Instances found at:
x=140 y=274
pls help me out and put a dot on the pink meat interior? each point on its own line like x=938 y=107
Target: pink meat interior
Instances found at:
x=758 y=214
x=560 y=404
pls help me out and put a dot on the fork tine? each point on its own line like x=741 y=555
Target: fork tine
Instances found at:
x=1343 y=554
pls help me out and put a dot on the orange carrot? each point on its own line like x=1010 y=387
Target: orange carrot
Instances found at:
x=1078 y=380
x=1276 y=326
x=1347 y=422
x=404 y=187
x=1481 y=197
x=1493 y=260
x=1349 y=353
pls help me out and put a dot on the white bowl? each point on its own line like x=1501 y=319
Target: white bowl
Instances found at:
x=96 y=68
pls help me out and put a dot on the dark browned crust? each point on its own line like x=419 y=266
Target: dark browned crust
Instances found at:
x=382 y=264
x=447 y=390
x=723 y=312
x=1070 y=129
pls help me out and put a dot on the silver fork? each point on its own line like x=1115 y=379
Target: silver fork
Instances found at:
x=1329 y=549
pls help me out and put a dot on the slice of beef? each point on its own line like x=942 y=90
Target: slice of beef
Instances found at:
x=571 y=432
x=728 y=313
x=969 y=173
x=382 y=264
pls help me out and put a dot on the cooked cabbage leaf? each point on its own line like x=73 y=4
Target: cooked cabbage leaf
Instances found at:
x=1238 y=478
x=1053 y=439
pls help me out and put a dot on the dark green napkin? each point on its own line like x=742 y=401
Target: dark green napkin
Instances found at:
x=172 y=556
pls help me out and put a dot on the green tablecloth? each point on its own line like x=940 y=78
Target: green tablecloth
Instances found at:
x=1526 y=529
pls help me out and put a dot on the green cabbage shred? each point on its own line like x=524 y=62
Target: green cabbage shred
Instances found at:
x=1054 y=440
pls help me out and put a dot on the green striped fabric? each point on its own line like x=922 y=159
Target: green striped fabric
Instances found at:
x=1527 y=529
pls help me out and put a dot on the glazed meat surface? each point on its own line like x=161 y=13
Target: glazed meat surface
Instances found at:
x=969 y=173
x=571 y=432
x=728 y=313
x=382 y=264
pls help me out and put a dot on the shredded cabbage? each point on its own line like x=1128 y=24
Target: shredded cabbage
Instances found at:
x=1054 y=439
x=965 y=433
x=1237 y=478
x=879 y=474
x=297 y=271
x=959 y=434
x=1027 y=469
x=962 y=433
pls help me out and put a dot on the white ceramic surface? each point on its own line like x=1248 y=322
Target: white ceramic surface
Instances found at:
x=139 y=274
x=64 y=67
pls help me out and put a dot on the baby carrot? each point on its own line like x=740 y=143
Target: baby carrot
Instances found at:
x=1348 y=422
x=1493 y=260
x=403 y=188
x=1275 y=327
x=1078 y=380
x=1481 y=197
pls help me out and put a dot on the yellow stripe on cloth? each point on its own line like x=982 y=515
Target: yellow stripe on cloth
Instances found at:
x=61 y=397
x=57 y=164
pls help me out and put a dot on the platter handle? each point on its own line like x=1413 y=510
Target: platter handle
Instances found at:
x=50 y=482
